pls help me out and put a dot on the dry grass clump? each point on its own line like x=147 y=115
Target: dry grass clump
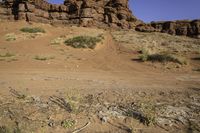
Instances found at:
x=32 y=30
x=161 y=57
x=68 y=123
x=10 y=37
x=7 y=55
x=43 y=58
x=83 y=42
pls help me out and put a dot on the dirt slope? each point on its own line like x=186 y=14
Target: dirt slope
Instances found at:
x=108 y=69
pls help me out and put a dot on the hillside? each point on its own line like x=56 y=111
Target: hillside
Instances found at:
x=118 y=85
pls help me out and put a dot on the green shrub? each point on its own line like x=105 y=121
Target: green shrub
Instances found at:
x=68 y=123
x=162 y=58
x=83 y=42
x=166 y=58
x=144 y=55
x=32 y=30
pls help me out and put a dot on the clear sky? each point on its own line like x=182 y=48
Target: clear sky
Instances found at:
x=157 y=10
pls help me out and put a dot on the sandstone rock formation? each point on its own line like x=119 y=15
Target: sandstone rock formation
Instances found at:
x=180 y=27
x=100 y=13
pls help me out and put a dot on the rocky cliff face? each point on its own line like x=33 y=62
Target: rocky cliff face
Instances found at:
x=100 y=13
x=181 y=27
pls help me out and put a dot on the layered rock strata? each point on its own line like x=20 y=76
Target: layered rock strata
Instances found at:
x=99 y=13
x=181 y=27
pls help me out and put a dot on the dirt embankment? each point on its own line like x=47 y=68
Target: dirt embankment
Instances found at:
x=47 y=86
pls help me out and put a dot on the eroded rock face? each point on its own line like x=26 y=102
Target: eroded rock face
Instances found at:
x=181 y=27
x=100 y=13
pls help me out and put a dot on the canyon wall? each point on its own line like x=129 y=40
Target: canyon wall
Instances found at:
x=99 y=13
x=189 y=28
x=96 y=13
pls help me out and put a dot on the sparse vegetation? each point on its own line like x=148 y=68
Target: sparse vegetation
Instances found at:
x=7 y=55
x=83 y=42
x=166 y=58
x=43 y=58
x=32 y=30
x=68 y=123
x=144 y=55
x=161 y=57
x=10 y=37
x=148 y=111
x=198 y=69
x=144 y=112
x=74 y=103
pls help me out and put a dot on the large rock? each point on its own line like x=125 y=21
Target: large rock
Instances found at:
x=113 y=13
x=180 y=27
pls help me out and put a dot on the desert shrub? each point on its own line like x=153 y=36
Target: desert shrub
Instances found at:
x=10 y=37
x=167 y=58
x=32 y=30
x=144 y=55
x=163 y=57
x=68 y=123
x=83 y=42
x=7 y=55
x=42 y=58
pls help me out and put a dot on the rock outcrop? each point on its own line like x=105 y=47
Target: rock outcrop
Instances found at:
x=180 y=27
x=100 y=13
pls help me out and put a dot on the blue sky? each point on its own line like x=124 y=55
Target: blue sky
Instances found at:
x=157 y=10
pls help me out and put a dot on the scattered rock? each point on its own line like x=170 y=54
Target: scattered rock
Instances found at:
x=51 y=124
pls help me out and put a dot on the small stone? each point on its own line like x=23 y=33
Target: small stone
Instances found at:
x=51 y=124
x=104 y=119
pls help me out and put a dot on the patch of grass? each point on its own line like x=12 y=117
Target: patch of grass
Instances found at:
x=74 y=101
x=10 y=37
x=144 y=112
x=83 y=42
x=12 y=59
x=7 y=55
x=198 y=69
x=32 y=30
x=68 y=123
x=144 y=55
x=163 y=57
x=166 y=58
x=148 y=110
x=4 y=129
x=43 y=58
x=101 y=36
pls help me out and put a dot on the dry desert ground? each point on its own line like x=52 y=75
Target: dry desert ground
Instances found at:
x=122 y=85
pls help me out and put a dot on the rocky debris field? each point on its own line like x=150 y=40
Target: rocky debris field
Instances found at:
x=71 y=112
